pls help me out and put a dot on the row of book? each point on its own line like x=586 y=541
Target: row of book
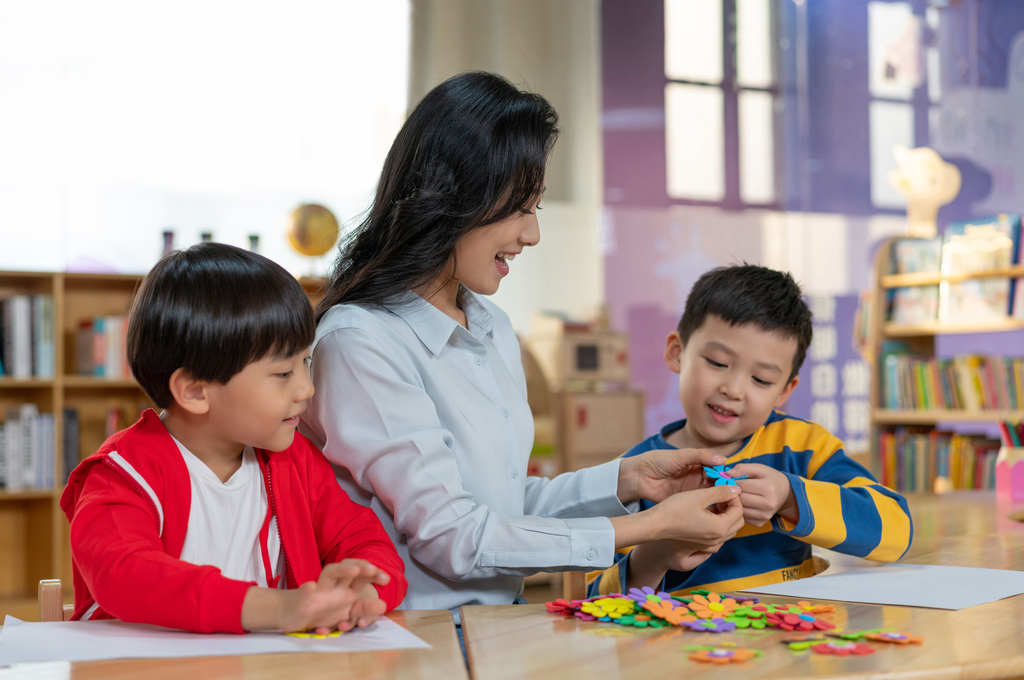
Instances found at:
x=969 y=382
x=971 y=247
x=27 y=439
x=27 y=449
x=101 y=347
x=27 y=336
x=915 y=460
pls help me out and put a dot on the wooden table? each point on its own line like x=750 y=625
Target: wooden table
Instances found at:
x=443 y=661
x=981 y=642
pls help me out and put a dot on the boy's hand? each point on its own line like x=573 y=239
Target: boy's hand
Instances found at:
x=658 y=474
x=343 y=598
x=766 y=493
x=648 y=562
x=700 y=520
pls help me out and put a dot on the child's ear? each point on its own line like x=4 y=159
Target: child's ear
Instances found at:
x=189 y=393
x=788 y=390
x=674 y=352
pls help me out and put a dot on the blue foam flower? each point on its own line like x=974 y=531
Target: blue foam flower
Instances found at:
x=721 y=475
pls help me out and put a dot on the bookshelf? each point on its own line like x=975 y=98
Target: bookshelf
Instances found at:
x=920 y=339
x=34 y=541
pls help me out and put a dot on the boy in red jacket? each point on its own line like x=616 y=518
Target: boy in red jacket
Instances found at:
x=216 y=516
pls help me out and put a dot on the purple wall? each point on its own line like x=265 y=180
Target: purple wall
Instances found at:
x=659 y=246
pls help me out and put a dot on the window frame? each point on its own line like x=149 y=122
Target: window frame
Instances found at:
x=731 y=88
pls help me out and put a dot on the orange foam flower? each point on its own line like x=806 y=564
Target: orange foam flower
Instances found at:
x=722 y=656
x=808 y=608
x=895 y=637
x=664 y=610
x=712 y=606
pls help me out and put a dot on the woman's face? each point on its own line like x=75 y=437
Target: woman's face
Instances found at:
x=483 y=256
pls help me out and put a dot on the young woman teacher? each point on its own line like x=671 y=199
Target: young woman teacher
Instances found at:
x=420 y=394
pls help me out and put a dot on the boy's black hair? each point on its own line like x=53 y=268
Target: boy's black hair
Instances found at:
x=747 y=293
x=212 y=310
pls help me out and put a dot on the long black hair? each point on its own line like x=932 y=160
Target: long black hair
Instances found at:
x=471 y=153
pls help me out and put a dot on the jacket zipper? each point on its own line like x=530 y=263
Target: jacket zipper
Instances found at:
x=288 y=577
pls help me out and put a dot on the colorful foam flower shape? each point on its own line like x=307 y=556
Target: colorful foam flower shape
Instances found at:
x=712 y=605
x=895 y=637
x=744 y=622
x=750 y=612
x=666 y=610
x=843 y=648
x=607 y=608
x=559 y=606
x=723 y=655
x=641 y=595
x=854 y=634
x=791 y=621
x=721 y=475
x=717 y=625
x=808 y=608
x=637 y=620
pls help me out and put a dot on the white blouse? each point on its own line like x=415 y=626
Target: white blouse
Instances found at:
x=427 y=423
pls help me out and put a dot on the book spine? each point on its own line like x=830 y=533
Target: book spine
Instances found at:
x=83 y=349
x=21 y=329
x=12 y=450
x=3 y=456
x=99 y=346
x=6 y=321
x=45 y=357
x=29 y=418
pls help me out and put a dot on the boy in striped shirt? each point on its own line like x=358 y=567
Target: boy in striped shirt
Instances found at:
x=738 y=349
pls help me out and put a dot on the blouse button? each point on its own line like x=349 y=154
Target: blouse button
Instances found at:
x=504 y=412
x=479 y=361
x=591 y=555
x=515 y=474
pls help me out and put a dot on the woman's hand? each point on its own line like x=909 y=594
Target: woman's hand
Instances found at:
x=766 y=493
x=700 y=520
x=658 y=474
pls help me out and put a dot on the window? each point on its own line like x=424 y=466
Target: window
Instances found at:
x=721 y=128
x=120 y=119
x=898 y=69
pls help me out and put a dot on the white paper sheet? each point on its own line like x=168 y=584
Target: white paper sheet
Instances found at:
x=93 y=640
x=909 y=585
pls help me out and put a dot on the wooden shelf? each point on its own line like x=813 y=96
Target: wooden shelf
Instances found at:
x=894 y=330
x=7 y=382
x=97 y=381
x=24 y=607
x=933 y=278
x=921 y=417
x=26 y=495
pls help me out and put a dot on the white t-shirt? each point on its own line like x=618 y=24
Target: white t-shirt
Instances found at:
x=225 y=519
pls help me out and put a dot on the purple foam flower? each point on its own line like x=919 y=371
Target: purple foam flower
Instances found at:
x=716 y=625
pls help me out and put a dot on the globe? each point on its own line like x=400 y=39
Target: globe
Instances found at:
x=312 y=230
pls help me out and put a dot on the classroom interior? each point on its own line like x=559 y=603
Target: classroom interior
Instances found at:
x=869 y=147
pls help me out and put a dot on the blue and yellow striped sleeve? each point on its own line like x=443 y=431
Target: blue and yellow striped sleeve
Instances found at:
x=843 y=508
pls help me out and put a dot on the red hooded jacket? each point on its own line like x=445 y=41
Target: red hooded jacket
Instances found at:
x=128 y=505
